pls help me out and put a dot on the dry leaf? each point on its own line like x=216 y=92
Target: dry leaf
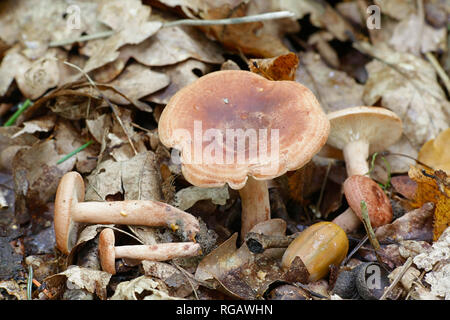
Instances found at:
x=436 y=152
x=129 y=20
x=433 y=187
x=141 y=288
x=408 y=86
x=187 y=197
x=334 y=89
x=278 y=68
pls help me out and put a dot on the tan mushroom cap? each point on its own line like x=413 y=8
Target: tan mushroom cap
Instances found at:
x=70 y=191
x=242 y=100
x=380 y=127
x=358 y=188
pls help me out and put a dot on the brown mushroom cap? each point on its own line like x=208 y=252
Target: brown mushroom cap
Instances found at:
x=358 y=188
x=236 y=99
x=70 y=191
x=106 y=250
x=378 y=126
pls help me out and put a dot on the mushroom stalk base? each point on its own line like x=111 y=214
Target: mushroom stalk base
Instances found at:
x=255 y=204
x=355 y=155
x=348 y=221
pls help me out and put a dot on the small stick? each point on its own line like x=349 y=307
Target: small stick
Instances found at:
x=435 y=63
x=188 y=22
x=397 y=278
x=257 y=242
x=357 y=247
x=45 y=291
x=370 y=233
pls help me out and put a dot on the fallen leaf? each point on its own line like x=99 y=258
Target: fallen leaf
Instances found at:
x=278 y=68
x=141 y=288
x=433 y=187
x=334 y=89
x=436 y=152
x=405 y=84
x=13 y=288
x=41 y=124
x=187 y=197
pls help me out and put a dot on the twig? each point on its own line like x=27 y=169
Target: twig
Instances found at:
x=246 y=19
x=444 y=77
x=257 y=242
x=187 y=22
x=82 y=38
x=356 y=248
x=322 y=188
x=397 y=278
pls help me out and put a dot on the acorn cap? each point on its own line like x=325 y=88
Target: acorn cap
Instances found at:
x=242 y=100
x=70 y=191
x=106 y=250
x=359 y=188
x=380 y=127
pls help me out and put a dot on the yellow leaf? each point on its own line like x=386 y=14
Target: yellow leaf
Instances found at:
x=433 y=186
x=436 y=152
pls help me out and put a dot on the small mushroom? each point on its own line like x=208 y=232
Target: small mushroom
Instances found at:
x=239 y=128
x=361 y=131
x=70 y=210
x=108 y=252
x=359 y=188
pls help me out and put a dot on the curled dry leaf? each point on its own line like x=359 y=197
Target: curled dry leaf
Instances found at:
x=13 y=288
x=433 y=187
x=41 y=124
x=278 y=68
x=187 y=197
x=414 y=225
x=76 y=277
x=142 y=288
x=436 y=152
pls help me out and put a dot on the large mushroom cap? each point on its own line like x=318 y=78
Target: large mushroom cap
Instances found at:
x=249 y=104
x=70 y=191
x=378 y=126
x=359 y=188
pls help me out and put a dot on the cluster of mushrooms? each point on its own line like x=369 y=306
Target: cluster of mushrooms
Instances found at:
x=235 y=99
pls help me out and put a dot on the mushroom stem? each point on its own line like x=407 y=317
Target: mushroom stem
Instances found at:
x=133 y=212
x=157 y=252
x=355 y=155
x=255 y=204
x=347 y=220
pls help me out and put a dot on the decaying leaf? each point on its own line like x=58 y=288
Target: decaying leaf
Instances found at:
x=187 y=197
x=405 y=84
x=334 y=89
x=436 y=152
x=13 y=288
x=433 y=187
x=75 y=277
x=141 y=288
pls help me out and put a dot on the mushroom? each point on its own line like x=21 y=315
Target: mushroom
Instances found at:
x=240 y=106
x=108 y=252
x=359 y=188
x=361 y=131
x=70 y=210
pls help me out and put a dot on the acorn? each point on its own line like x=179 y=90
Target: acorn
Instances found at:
x=319 y=246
